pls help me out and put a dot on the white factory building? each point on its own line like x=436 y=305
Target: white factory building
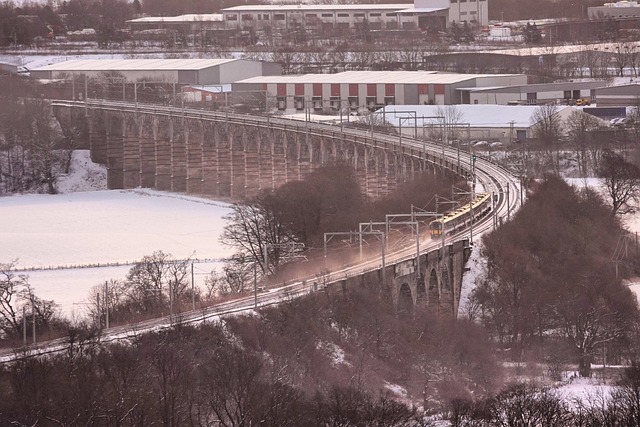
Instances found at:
x=361 y=91
x=176 y=71
x=500 y=123
x=617 y=10
x=422 y=14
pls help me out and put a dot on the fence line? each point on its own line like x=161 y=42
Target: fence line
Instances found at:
x=108 y=264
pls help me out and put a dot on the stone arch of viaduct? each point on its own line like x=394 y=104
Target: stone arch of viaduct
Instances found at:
x=234 y=157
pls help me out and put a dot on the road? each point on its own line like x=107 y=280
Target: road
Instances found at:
x=489 y=177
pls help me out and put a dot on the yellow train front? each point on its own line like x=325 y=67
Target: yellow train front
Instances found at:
x=461 y=217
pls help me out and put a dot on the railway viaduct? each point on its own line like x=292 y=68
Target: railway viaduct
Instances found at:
x=231 y=157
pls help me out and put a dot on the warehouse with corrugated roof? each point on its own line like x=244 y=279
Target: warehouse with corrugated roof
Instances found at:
x=177 y=71
x=368 y=90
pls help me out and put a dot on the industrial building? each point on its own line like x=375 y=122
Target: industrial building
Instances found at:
x=619 y=10
x=173 y=71
x=361 y=91
x=453 y=124
x=422 y=14
x=533 y=94
x=190 y=23
x=619 y=96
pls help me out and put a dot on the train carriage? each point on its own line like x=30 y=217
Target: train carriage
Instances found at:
x=461 y=217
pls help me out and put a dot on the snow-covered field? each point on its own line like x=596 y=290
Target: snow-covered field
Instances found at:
x=98 y=227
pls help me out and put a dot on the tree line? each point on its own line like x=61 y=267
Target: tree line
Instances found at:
x=342 y=357
x=278 y=369
x=551 y=291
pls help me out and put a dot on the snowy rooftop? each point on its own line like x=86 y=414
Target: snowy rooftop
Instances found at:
x=554 y=50
x=477 y=116
x=192 y=17
x=422 y=10
x=212 y=88
x=380 y=77
x=313 y=7
x=134 y=64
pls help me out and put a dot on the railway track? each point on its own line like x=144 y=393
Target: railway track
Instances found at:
x=488 y=176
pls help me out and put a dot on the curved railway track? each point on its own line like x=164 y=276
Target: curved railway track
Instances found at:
x=489 y=177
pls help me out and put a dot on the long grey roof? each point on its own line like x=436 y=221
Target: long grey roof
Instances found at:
x=191 y=17
x=134 y=64
x=379 y=77
x=312 y=7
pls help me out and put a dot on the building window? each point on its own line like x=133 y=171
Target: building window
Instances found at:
x=375 y=14
x=343 y=15
x=353 y=102
x=298 y=102
x=247 y=17
x=327 y=15
x=310 y=16
x=358 y=15
x=334 y=102
x=473 y=12
x=232 y=17
x=391 y=15
x=278 y=17
x=282 y=103
x=389 y=100
x=265 y=17
x=463 y=13
x=317 y=103
x=371 y=103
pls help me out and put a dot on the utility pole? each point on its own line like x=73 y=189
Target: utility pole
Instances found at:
x=170 y=303
x=255 y=286
x=33 y=315
x=24 y=325
x=106 y=304
x=193 y=289
x=98 y=311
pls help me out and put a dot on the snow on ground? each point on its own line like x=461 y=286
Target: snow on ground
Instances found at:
x=584 y=391
x=396 y=389
x=334 y=352
x=80 y=227
x=84 y=175
x=108 y=227
x=477 y=267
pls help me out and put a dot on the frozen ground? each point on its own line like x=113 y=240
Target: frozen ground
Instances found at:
x=98 y=227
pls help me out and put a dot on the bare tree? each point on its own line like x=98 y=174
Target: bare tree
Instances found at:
x=15 y=294
x=620 y=56
x=12 y=287
x=236 y=277
x=621 y=182
x=580 y=129
x=258 y=232
x=547 y=128
x=448 y=124
x=156 y=277
x=588 y=324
